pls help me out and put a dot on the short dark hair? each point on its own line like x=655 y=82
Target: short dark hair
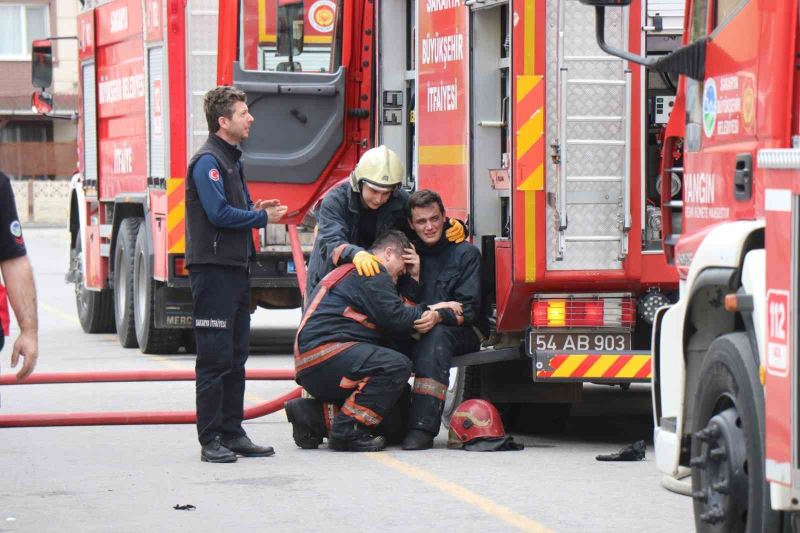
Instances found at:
x=424 y=198
x=219 y=102
x=391 y=239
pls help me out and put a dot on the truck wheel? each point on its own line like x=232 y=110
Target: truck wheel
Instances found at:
x=464 y=384
x=149 y=338
x=123 y=281
x=728 y=485
x=95 y=308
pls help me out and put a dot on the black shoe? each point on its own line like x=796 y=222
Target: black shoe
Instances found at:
x=354 y=437
x=215 y=452
x=244 y=446
x=308 y=424
x=418 y=439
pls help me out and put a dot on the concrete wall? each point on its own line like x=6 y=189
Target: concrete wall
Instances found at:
x=42 y=202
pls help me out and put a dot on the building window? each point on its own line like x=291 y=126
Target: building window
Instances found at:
x=19 y=25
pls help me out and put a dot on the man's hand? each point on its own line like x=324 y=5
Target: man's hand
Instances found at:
x=273 y=208
x=455 y=307
x=456 y=232
x=366 y=264
x=426 y=322
x=411 y=258
x=27 y=346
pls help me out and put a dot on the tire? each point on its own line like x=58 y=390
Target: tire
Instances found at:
x=464 y=384
x=95 y=308
x=123 y=281
x=150 y=339
x=728 y=484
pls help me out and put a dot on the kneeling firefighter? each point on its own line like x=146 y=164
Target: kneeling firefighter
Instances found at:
x=341 y=355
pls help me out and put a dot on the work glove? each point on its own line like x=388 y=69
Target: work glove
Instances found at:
x=366 y=264
x=456 y=231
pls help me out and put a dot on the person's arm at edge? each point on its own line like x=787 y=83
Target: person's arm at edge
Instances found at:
x=18 y=279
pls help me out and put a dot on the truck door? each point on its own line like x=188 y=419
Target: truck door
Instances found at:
x=720 y=115
x=290 y=64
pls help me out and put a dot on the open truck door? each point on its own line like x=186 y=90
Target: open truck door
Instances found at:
x=306 y=74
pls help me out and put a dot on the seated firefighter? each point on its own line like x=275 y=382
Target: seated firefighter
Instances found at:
x=341 y=356
x=449 y=272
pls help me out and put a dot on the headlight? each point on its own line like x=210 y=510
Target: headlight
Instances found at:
x=649 y=304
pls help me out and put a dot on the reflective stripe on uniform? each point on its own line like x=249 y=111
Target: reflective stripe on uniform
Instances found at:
x=366 y=416
x=430 y=387
x=319 y=354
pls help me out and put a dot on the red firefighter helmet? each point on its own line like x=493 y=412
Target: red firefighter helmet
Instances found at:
x=474 y=425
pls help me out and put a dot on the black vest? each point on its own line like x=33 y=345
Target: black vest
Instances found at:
x=206 y=243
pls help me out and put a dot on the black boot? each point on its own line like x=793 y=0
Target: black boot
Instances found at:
x=418 y=439
x=244 y=446
x=356 y=438
x=308 y=424
x=215 y=452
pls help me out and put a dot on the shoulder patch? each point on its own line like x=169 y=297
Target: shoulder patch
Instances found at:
x=213 y=174
x=16 y=229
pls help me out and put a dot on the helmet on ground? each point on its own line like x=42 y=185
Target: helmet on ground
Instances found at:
x=380 y=168
x=475 y=424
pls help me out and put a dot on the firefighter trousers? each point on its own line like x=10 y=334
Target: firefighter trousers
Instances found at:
x=221 y=314
x=366 y=380
x=431 y=357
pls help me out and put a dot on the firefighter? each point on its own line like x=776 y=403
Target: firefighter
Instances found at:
x=219 y=219
x=353 y=213
x=341 y=355
x=18 y=278
x=449 y=271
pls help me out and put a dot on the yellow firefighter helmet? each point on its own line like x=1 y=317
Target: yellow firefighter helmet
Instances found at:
x=380 y=167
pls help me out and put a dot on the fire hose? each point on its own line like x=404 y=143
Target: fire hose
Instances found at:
x=118 y=418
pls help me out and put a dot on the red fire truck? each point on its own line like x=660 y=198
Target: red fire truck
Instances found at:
x=545 y=146
x=144 y=68
x=725 y=387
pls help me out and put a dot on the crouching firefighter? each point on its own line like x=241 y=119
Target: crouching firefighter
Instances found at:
x=341 y=355
x=449 y=272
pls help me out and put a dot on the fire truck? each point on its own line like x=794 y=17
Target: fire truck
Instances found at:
x=144 y=68
x=547 y=148
x=725 y=381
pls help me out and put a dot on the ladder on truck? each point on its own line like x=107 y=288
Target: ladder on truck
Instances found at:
x=592 y=196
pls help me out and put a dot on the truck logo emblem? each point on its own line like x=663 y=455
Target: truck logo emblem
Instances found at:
x=709 y=107
x=213 y=174
x=321 y=15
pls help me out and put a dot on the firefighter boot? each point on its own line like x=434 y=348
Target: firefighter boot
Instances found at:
x=418 y=439
x=308 y=424
x=354 y=437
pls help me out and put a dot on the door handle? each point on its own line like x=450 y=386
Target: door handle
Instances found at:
x=299 y=116
x=743 y=177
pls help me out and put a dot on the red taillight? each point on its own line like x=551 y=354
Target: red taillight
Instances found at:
x=180 y=267
x=577 y=312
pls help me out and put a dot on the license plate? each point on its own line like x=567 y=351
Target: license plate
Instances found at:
x=571 y=342
x=290 y=268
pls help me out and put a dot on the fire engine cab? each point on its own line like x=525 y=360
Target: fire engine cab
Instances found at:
x=725 y=384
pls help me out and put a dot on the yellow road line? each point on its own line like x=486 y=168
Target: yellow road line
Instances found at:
x=59 y=313
x=501 y=512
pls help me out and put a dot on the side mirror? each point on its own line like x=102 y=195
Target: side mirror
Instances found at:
x=42 y=102
x=42 y=64
x=689 y=60
x=290 y=29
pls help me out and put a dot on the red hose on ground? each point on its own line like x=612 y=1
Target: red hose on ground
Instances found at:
x=133 y=417
x=261 y=374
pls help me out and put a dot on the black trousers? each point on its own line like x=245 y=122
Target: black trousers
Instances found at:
x=365 y=380
x=431 y=356
x=221 y=311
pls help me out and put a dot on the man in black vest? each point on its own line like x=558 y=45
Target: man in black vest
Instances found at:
x=219 y=219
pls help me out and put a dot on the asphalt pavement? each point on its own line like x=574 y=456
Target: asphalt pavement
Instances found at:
x=129 y=478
